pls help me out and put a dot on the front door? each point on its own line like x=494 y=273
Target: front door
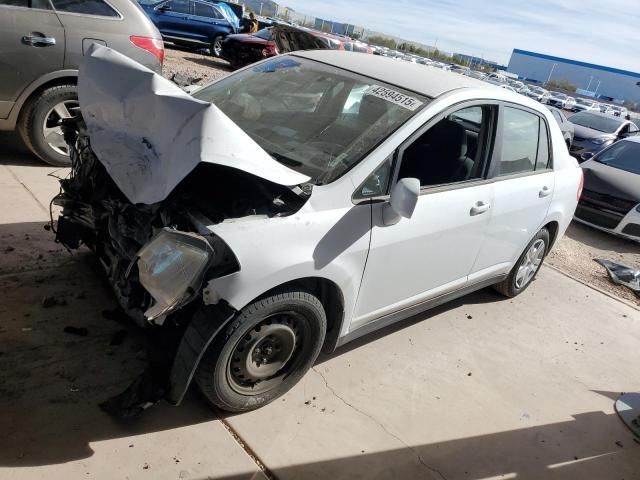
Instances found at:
x=32 y=44
x=433 y=252
x=174 y=18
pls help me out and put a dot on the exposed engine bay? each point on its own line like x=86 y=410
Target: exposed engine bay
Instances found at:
x=97 y=214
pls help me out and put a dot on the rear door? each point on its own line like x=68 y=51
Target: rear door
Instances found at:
x=175 y=19
x=32 y=44
x=208 y=22
x=523 y=189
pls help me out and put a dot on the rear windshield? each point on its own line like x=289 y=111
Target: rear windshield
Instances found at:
x=623 y=155
x=314 y=118
x=596 y=122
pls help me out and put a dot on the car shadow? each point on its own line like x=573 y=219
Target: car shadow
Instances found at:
x=15 y=152
x=590 y=445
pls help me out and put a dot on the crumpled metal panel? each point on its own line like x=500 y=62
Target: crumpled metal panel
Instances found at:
x=149 y=134
x=622 y=275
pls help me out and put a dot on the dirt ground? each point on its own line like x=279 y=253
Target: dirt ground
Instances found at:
x=576 y=252
x=193 y=64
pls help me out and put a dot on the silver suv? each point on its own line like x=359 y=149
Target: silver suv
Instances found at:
x=43 y=42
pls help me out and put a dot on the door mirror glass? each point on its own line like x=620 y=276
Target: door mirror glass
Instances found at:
x=164 y=8
x=586 y=156
x=403 y=200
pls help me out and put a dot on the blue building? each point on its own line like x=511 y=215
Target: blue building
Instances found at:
x=334 y=27
x=600 y=81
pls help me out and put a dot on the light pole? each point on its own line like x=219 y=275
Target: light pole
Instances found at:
x=590 y=80
x=596 y=94
x=551 y=72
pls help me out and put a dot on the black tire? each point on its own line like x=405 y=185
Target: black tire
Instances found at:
x=510 y=286
x=32 y=118
x=216 y=46
x=220 y=375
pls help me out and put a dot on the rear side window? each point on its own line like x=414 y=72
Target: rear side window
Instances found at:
x=525 y=143
x=180 y=6
x=86 y=7
x=204 y=10
x=41 y=4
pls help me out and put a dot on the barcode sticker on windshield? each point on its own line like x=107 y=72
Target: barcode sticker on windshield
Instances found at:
x=390 y=95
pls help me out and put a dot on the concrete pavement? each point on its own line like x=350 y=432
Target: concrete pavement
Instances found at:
x=482 y=388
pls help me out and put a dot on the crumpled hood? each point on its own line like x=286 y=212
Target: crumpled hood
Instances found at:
x=607 y=180
x=149 y=134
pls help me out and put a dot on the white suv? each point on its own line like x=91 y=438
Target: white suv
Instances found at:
x=304 y=201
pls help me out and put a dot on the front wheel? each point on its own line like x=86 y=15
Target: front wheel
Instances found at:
x=527 y=266
x=266 y=350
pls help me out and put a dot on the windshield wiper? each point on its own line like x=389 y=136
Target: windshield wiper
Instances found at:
x=286 y=160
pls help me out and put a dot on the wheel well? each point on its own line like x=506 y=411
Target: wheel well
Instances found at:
x=552 y=227
x=331 y=298
x=51 y=83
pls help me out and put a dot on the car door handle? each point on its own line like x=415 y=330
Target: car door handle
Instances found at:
x=479 y=208
x=545 y=192
x=38 y=40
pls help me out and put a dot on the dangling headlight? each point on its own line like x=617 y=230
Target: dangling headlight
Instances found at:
x=171 y=267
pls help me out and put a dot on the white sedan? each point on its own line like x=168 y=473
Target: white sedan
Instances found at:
x=304 y=201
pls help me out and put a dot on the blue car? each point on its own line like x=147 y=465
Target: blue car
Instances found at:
x=193 y=23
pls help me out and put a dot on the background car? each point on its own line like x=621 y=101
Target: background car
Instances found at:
x=539 y=94
x=604 y=108
x=586 y=105
x=561 y=100
x=242 y=49
x=596 y=131
x=39 y=56
x=619 y=111
x=610 y=200
x=193 y=23
x=566 y=127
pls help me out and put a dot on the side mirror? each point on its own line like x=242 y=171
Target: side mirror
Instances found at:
x=402 y=201
x=586 y=156
x=164 y=8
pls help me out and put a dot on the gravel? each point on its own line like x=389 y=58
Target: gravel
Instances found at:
x=193 y=64
x=574 y=255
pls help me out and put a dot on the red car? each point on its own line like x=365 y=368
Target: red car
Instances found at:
x=242 y=49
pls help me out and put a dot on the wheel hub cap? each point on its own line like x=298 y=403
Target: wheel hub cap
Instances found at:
x=530 y=263
x=51 y=129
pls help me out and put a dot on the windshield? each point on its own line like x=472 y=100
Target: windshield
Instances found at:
x=596 y=122
x=624 y=155
x=316 y=119
x=584 y=102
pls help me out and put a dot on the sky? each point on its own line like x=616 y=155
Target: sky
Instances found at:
x=605 y=32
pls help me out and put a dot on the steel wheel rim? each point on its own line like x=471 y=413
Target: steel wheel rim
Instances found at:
x=530 y=263
x=217 y=46
x=51 y=130
x=267 y=354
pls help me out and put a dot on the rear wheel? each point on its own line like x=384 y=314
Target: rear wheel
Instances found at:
x=39 y=124
x=268 y=347
x=526 y=267
x=216 y=46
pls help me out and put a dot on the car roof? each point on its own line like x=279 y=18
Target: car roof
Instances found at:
x=431 y=82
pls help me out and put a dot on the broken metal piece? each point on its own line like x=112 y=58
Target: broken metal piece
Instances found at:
x=628 y=408
x=622 y=274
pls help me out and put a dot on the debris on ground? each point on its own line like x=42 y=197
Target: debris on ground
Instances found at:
x=622 y=274
x=117 y=315
x=183 y=80
x=118 y=338
x=9 y=249
x=80 y=331
x=50 y=301
x=143 y=393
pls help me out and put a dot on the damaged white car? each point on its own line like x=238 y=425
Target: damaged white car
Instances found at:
x=304 y=201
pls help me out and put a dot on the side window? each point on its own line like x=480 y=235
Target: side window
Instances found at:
x=180 y=6
x=377 y=183
x=626 y=129
x=87 y=7
x=633 y=128
x=543 y=148
x=453 y=150
x=519 y=142
x=40 y=4
x=204 y=10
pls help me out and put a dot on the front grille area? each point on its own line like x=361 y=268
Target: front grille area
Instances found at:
x=602 y=210
x=632 y=229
